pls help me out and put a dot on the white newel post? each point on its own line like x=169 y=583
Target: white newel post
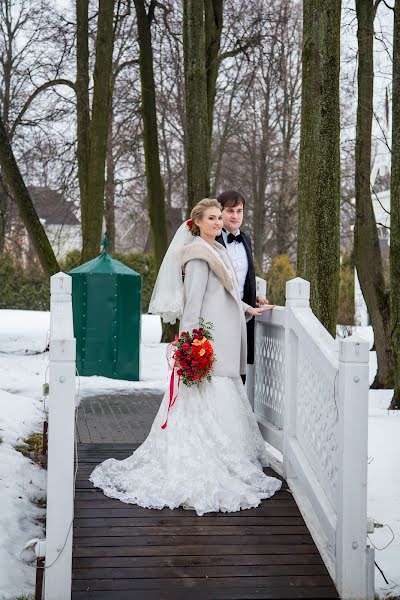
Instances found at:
x=351 y=534
x=60 y=471
x=297 y=296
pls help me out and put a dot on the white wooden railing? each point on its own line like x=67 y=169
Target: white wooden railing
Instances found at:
x=310 y=396
x=61 y=443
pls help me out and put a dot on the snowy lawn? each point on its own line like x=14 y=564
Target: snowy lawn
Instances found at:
x=23 y=369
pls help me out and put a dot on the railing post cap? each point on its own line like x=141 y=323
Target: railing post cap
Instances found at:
x=354 y=349
x=298 y=292
x=61 y=283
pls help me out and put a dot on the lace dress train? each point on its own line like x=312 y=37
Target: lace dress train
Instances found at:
x=209 y=457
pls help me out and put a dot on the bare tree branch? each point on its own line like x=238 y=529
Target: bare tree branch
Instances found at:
x=41 y=88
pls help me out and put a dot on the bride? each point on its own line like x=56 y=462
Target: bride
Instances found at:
x=211 y=455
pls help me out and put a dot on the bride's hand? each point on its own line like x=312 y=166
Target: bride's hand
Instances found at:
x=254 y=312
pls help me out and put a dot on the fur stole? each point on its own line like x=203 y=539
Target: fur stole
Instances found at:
x=202 y=251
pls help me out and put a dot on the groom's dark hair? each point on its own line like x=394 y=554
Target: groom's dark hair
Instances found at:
x=231 y=198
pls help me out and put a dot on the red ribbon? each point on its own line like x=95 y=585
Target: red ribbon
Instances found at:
x=172 y=398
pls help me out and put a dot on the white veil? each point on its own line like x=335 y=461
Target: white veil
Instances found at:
x=167 y=296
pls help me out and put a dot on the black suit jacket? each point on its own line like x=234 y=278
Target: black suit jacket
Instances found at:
x=249 y=293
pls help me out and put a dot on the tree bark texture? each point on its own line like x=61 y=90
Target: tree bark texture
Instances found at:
x=319 y=167
x=83 y=107
x=101 y=106
x=155 y=186
x=213 y=13
x=367 y=251
x=15 y=183
x=262 y=178
x=197 y=127
x=110 y=185
x=395 y=211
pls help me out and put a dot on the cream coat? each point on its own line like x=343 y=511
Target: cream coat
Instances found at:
x=211 y=292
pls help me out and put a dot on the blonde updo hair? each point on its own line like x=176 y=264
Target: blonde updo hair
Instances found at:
x=198 y=211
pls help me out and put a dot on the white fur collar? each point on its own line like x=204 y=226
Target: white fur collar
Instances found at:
x=199 y=249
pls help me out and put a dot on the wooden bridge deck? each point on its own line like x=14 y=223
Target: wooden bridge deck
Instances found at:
x=126 y=552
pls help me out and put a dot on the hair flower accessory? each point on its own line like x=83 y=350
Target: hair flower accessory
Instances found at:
x=189 y=224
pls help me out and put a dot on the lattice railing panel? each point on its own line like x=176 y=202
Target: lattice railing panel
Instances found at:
x=269 y=372
x=317 y=419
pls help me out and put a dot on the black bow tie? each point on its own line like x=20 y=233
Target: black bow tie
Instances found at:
x=235 y=238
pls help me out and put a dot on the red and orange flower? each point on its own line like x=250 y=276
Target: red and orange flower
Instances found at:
x=194 y=355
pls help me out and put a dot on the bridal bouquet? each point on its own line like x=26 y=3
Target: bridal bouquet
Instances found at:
x=191 y=358
x=194 y=355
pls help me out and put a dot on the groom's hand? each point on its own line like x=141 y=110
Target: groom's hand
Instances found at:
x=261 y=301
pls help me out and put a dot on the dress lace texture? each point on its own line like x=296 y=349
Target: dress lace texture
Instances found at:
x=209 y=458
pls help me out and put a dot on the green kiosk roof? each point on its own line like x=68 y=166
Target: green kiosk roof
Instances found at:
x=104 y=264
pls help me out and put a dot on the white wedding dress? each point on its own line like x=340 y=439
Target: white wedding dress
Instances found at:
x=208 y=458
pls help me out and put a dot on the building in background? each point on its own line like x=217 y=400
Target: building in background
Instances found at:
x=59 y=218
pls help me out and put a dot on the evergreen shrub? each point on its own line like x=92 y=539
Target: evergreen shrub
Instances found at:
x=28 y=288
x=346 y=292
x=280 y=271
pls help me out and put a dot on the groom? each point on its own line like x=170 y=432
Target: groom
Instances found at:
x=238 y=246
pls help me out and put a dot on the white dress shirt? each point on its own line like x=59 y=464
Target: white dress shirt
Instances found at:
x=237 y=254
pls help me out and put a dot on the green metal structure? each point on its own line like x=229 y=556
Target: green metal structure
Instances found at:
x=106 y=305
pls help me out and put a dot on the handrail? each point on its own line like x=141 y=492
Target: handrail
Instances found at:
x=309 y=391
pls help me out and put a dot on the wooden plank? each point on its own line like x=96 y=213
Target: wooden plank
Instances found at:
x=195 y=550
x=134 y=511
x=219 y=571
x=185 y=540
x=201 y=560
x=201 y=583
x=96 y=500
x=281 y=593
x=198 y=530
x=187 y=521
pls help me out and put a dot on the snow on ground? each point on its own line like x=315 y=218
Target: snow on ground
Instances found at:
x=384 y=485
x=24 y=368
x=21 y=482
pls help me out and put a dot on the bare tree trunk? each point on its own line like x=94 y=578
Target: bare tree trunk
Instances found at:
x=282 y=241
x=395 y=211
x=197 y=126
x=4 y=214
x=155 y=186
x=82 y=107
x=368 y=257
x=213 y=12
x=99 y=129
x=20 y=195
x=319 y=168
x=262 y=177
x=110 y=185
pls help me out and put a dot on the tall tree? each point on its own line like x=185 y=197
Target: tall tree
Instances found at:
x=319 y=168
x=197 y=124
x=15 y=183
x=213 y=13
x=395 y=211
x=267 y=74
x=367 y=251
x=155 y=186
x=93 y=129
x=82 y=106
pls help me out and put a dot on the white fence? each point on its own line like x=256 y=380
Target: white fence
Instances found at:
x=60 y=470
x=310 y=397
x=311 y=400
